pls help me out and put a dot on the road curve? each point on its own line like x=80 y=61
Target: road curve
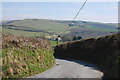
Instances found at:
x=70 y=69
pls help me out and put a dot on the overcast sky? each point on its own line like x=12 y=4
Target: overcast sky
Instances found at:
x=106 y=12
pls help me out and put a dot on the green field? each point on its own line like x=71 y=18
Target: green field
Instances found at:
x=53 y=43
x=23 y=33
x=48 y=25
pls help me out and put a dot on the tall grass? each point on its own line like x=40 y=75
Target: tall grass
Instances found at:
x=23 y=57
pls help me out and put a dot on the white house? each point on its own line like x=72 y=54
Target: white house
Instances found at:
x=58 y=39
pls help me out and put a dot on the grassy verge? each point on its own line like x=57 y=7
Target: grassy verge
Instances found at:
x=23 y=57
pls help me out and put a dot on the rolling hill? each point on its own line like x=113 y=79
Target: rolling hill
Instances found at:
x=36 y=27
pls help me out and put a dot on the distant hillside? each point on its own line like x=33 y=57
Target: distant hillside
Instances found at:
x=57 y=27
x=85 y=33
x=104 y=52
x=23 y=57
x=40 y=24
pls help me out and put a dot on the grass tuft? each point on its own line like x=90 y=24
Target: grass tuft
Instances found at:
x=24 y=57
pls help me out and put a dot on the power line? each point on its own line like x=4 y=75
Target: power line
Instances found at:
x=77 y=13
x=79 y=10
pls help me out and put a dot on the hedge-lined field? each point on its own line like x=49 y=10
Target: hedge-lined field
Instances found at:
x=103 y=52
x=24 y=57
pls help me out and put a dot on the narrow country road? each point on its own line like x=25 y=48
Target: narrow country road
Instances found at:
x=70 y=69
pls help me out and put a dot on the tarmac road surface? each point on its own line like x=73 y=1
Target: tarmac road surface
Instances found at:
x=70 y=69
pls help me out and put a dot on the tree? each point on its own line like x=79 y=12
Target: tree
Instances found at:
x=79 y=37
x=75 y=38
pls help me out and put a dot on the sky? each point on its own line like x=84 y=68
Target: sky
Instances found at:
x=106 y=12
x=59 y=0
